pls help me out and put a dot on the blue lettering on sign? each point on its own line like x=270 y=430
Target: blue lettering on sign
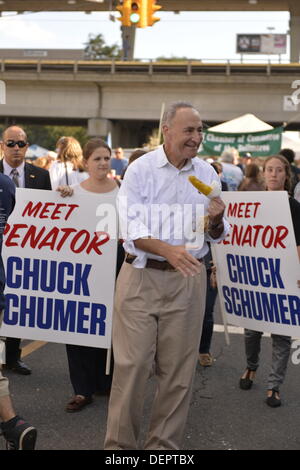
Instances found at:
x=48 y=280
x=269 y=307
x=249 y=270
x=64 y=316
x=82 y=318
x=44 y=317
x=98 y=316
x=56 y=314
x=48 y=276
x=64 y=285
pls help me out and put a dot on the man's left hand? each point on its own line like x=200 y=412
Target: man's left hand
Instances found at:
x=216 y=210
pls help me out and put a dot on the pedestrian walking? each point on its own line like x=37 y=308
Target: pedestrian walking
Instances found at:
x=160 y=292
x=277 y=175
x=87 y=365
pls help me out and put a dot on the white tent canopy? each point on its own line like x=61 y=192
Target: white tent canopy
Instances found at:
x=291 y=140
x=251 y=123
x=245 y=123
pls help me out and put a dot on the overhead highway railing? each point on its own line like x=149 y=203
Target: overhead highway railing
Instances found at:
x=189 y=67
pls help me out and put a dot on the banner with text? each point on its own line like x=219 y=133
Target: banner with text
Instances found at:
x=259 y=144
x=60 y=262
x=258 y=265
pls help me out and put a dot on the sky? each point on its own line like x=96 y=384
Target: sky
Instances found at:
x=196 y=35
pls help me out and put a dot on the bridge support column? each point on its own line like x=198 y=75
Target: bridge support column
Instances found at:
x=128 y=39
x=98 y=127
x=295 y=38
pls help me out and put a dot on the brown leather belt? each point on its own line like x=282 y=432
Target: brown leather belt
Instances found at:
x=155 y=263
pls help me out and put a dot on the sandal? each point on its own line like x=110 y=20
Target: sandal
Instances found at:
x=77 y=403
x=205 y=359
x=246 y=382
x=273 y=401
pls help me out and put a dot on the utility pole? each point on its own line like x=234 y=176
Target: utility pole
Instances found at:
x=128 y=39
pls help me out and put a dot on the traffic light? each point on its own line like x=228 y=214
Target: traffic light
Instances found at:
x=125 y=10
x=138 y=16
x=138 y=13
x=152 y=8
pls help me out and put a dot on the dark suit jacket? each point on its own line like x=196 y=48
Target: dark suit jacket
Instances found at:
x=35 y=177
x=7 y=203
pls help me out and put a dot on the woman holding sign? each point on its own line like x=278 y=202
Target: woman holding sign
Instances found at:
x=277 y=178
x=87 y=364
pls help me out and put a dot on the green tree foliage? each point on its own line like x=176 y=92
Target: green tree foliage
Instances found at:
x=47 y=136
x=96 y=49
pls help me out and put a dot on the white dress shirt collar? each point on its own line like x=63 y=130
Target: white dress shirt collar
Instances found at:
x=162 y=159
x=7 y=169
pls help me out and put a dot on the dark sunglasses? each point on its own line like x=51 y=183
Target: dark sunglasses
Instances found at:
x=12 y=143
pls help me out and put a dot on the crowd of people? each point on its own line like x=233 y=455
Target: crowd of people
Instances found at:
x=163 y=286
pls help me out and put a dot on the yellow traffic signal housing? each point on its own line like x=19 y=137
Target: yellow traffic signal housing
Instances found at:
x=152 y=8
x=138 y=13
x=125 y=10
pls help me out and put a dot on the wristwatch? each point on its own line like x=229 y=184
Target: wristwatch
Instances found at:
x=215 y=226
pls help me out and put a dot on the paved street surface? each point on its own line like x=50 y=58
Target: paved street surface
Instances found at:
x=222 y=417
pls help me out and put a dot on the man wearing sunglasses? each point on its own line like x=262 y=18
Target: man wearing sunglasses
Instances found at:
x=14 y=145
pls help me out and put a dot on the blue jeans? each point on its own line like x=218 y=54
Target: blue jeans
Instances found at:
x=281 y=346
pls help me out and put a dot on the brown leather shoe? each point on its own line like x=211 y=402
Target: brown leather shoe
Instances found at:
x=77 y=403
x=205 y=359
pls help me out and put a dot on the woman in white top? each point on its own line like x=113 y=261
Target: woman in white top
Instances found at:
x=87 y=364
x=68 y=168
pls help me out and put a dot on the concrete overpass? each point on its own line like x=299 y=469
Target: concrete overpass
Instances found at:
x=125 y=98
x=293 y=6
x=168 y=5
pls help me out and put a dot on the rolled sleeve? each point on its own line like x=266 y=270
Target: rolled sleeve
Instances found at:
x=132 y=218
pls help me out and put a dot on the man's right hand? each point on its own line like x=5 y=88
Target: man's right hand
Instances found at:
x=182 y=260
x=177 y=256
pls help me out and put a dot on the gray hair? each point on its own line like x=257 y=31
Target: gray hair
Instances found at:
x=228 y=155
x=169 y=114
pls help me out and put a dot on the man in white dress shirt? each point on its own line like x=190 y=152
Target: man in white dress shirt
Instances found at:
x=161 y=288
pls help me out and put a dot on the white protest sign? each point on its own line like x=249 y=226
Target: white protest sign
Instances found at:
x=60 y=262
x=258 y=265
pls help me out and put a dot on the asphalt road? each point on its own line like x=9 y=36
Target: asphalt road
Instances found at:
x=222 y=417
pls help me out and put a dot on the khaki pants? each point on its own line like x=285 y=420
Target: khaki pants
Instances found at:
x=4 y=391
x=158 y=317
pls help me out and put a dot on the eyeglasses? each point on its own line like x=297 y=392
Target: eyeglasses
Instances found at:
x=12 y=143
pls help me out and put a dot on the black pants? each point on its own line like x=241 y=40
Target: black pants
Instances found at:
x=87 y=370
x=13 y=351
x=208 y=321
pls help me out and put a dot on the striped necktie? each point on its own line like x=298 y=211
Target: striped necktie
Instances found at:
x=15 y=176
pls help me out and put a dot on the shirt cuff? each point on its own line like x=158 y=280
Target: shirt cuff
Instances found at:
x=222 y=236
